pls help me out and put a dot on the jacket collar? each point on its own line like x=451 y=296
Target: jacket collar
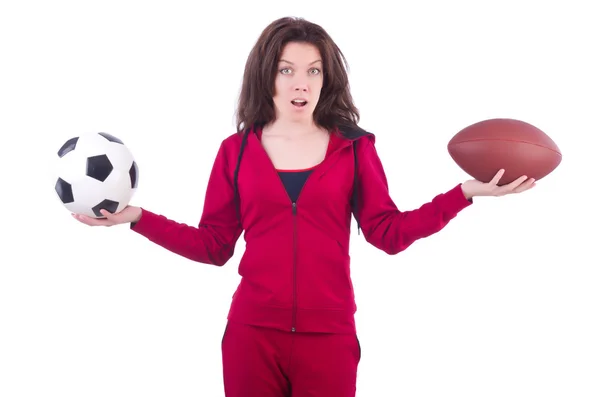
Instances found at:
x=340 y=137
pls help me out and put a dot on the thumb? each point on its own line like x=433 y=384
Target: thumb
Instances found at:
x=113 y=218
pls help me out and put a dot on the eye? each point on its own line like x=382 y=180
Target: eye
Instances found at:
x=315 y=71
x=284 y=70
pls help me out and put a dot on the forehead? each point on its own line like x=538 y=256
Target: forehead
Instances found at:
x=300 y=54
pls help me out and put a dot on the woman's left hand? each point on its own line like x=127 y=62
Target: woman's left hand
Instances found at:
x=473 y=188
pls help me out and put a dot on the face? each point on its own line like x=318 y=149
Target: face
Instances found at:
x=298 y=82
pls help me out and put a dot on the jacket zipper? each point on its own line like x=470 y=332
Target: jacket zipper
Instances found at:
x=294 y=265
x=295 y=249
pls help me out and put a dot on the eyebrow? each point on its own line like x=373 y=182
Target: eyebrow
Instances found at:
x=291 y=63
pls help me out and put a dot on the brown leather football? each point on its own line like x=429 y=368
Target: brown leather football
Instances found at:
x=483 y=148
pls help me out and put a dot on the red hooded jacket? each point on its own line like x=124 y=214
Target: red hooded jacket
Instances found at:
x=296 y=267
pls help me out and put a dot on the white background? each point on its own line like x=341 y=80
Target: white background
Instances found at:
x=503 y=302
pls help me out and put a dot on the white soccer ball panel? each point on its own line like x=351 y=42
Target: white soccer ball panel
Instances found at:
x=71 y=167
x=92 y=144
x=120 y=156
x=117 y=187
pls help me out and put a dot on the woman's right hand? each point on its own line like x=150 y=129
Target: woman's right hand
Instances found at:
x=128 y=215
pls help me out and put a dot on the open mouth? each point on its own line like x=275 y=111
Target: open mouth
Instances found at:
x=299 y=103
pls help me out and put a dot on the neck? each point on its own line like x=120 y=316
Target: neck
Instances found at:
x=291 y=127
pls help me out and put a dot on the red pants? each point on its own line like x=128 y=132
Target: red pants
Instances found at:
x=264 y=362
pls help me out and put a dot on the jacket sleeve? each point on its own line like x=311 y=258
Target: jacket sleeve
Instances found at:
x=213 y=241
x=386 y=227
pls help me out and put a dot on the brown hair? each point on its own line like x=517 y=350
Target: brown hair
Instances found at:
x=255 y=104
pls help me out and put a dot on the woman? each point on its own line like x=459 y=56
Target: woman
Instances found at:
x=290 y=179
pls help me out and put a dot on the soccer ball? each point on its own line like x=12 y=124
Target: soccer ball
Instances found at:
x=95 y=171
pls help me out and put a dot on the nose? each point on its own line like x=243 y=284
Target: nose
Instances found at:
x=301 y=84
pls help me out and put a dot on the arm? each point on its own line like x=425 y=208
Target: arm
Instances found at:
x=213 y=241
x=383 y=225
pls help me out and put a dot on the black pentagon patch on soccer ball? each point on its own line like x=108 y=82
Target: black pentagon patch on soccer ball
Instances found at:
x=134 y=175
x=111 y=138
x=109 y=205
x=99 y=167
x=68 y=146
x=64 y=191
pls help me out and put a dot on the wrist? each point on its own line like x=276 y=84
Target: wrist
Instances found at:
x=466 y=192
x=137 y=214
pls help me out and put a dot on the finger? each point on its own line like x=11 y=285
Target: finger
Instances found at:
x=530 y=183
x=108 y=215
x=497 y=177
x=88 y=220
x=509 y=187
x=515 y=184
x=114 y=218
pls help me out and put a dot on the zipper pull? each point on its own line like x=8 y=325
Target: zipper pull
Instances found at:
x=294 y=208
